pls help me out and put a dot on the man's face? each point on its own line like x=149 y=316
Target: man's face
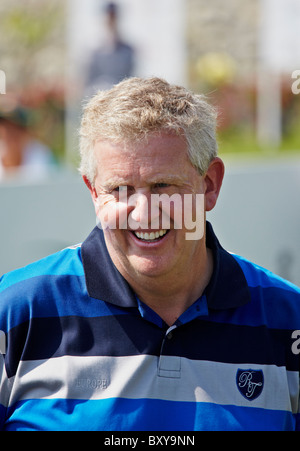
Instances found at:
x=127 y=178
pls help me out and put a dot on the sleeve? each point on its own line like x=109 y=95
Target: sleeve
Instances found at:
x=297 y=427
x=4 y=381
x=9 y=308
x=9 y=358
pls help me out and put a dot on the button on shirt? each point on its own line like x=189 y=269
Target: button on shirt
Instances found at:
x=80 y=351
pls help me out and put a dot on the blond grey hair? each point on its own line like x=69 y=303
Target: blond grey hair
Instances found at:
x=136 y=108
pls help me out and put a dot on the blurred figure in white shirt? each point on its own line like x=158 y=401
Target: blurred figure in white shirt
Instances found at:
x=20 y=153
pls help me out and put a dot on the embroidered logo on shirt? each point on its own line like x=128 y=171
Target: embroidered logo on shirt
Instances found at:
x=250 y=383
x=91 y=384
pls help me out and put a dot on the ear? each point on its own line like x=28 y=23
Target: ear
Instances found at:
x=91 y=188
x=213 y=181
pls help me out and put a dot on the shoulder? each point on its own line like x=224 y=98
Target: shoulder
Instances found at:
x=274 y=297
x=66 y=261
x=258 y=276
x=35 y=288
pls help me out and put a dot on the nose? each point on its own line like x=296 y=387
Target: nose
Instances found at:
x=139 y=206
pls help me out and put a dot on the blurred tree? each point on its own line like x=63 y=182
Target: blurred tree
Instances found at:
x=31 y=32
x=32 y=49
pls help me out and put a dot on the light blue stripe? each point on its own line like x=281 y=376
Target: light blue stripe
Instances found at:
x=67 y=261
x=142 y=415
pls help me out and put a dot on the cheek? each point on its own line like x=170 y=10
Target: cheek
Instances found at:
x=111 y=213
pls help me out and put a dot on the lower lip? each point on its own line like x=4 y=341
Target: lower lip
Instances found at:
x=149 y=244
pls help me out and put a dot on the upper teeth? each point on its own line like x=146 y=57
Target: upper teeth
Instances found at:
x=151 y=235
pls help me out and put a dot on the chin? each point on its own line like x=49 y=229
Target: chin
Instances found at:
x=149 y=267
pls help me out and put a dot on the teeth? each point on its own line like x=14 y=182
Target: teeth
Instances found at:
x=150 y=236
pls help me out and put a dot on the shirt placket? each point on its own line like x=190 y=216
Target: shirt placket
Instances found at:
x=169 y=365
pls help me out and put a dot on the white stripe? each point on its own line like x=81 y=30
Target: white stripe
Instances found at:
x=138 y=377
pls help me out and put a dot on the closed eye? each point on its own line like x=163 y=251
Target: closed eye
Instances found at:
x=161 y=185
x=120 y=188
x=123 y=188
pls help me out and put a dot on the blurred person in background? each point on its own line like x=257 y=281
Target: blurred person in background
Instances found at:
x=20 y=153
x=114 y=59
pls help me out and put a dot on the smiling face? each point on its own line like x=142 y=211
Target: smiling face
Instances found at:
x=158 y=166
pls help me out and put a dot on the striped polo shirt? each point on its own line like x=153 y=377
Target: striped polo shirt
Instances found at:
x=80 y=351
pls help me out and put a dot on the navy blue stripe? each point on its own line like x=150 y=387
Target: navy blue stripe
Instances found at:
x=142 y=415
x=124 y=335
x=219 y=342
x=43 y=338
x=2 y=416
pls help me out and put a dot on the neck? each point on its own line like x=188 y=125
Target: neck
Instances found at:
x=170 y=298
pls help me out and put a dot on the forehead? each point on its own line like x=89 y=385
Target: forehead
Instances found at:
x=154 y=150
x=161 y=157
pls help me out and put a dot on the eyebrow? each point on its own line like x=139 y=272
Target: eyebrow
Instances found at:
x=169 y=179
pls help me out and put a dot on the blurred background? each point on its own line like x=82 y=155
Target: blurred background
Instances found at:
x=243 y=54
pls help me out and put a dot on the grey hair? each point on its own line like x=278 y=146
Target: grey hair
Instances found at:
x=138 y=107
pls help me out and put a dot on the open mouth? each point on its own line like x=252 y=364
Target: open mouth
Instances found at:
x=151 y=237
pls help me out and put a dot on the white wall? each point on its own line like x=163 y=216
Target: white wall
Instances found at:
x=42 y=218
x=257 y=216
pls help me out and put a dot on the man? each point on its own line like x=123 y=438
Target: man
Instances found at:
x=149 y=324
x=113 y=60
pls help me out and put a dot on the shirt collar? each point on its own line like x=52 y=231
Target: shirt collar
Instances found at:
x=227 y=288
